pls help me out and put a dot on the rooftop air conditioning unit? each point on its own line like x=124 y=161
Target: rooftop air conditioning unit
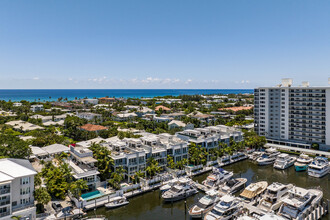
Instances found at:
x=305 y=84
x=287 y=82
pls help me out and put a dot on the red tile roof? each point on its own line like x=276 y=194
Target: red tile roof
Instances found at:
x=162 y=107
x=90 y=127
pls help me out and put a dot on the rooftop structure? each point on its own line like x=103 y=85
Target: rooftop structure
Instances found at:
x=24 y=126
x=164 y=108
x=91 y=127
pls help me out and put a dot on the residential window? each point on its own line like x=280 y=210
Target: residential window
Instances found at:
x=25 y=180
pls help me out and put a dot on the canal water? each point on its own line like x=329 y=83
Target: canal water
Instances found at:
x=150 y=206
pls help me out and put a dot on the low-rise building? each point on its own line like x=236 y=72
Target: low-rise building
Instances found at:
x=89 y=115
x=24 y=125
x=106 y=100
x=83 y=166
x=210 y=137
x=125 y=116
x=162 y=119
x=55 y=149
x=93 y=128
x=129 y=154
x=17 y=104
x=89 y=143
x=37 y=108
x=180 y=124
x=91 y=101
x=16 y=189
x=164 y=108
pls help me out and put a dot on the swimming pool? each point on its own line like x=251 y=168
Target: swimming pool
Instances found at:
x=92 y=195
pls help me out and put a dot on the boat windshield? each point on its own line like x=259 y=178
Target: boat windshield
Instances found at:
x=216 y=212
x=174 y=189
x=290 y=211
x=225 y=204
x=201 y=205
x=272 y=193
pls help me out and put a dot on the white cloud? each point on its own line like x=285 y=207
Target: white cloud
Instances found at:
x=188 y=81
x=36 y=78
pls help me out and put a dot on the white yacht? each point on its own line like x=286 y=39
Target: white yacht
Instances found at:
x=238 y=157
x=225 y=209
x=299 y=203
x=274 y=194
x=319 y=167
x=233 y=185
x=116 y=202
x=269 y=157
x=255 y=155
x=217 y=177
x=205 y=204
x=168 y=185
x=284 y=161
x=253 y=191
x=180 y=190
x=302 y=162
x=267 y=216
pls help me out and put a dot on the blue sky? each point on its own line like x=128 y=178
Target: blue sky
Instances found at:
x=215 y=44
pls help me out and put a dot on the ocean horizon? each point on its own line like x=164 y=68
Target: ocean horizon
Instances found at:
x=71 y=94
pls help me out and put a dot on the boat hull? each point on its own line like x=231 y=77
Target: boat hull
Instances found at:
x=200 y=214
x=317 y=175
x=179 y=197
x=265 y=163
x=301 y=168
x=116 y=205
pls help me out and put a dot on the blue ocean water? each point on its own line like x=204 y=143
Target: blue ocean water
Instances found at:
x=71 y=94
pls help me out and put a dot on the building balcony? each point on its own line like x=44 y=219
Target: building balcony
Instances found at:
x=23 y=206
x=4 y=191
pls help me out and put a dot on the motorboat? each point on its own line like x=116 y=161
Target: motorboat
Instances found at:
x=233 y=185
x=204 y=204
x=299 y=203
x=253 y=191
x=255 y=155
x=302 y=162
x=268 y=158
x=319 y=167
x=217 y=177
x=168 y=185
x=267 y=216
x=238 y=157
x=225 y=209
x=116 y=202
x=284 y=161
x=180 y=190
x=273 y=196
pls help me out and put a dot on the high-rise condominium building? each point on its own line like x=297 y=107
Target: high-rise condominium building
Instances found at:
x=297 y=116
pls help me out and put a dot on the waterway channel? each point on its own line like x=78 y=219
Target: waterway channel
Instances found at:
x=150 y=206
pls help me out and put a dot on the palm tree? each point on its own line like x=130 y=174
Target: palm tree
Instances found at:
x=152 y=167
x=77 y=187
x=42 y=196
x=117 y=177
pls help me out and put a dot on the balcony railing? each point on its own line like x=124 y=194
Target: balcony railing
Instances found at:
x=4 y=214
x=23 y=206
x=4 y=191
